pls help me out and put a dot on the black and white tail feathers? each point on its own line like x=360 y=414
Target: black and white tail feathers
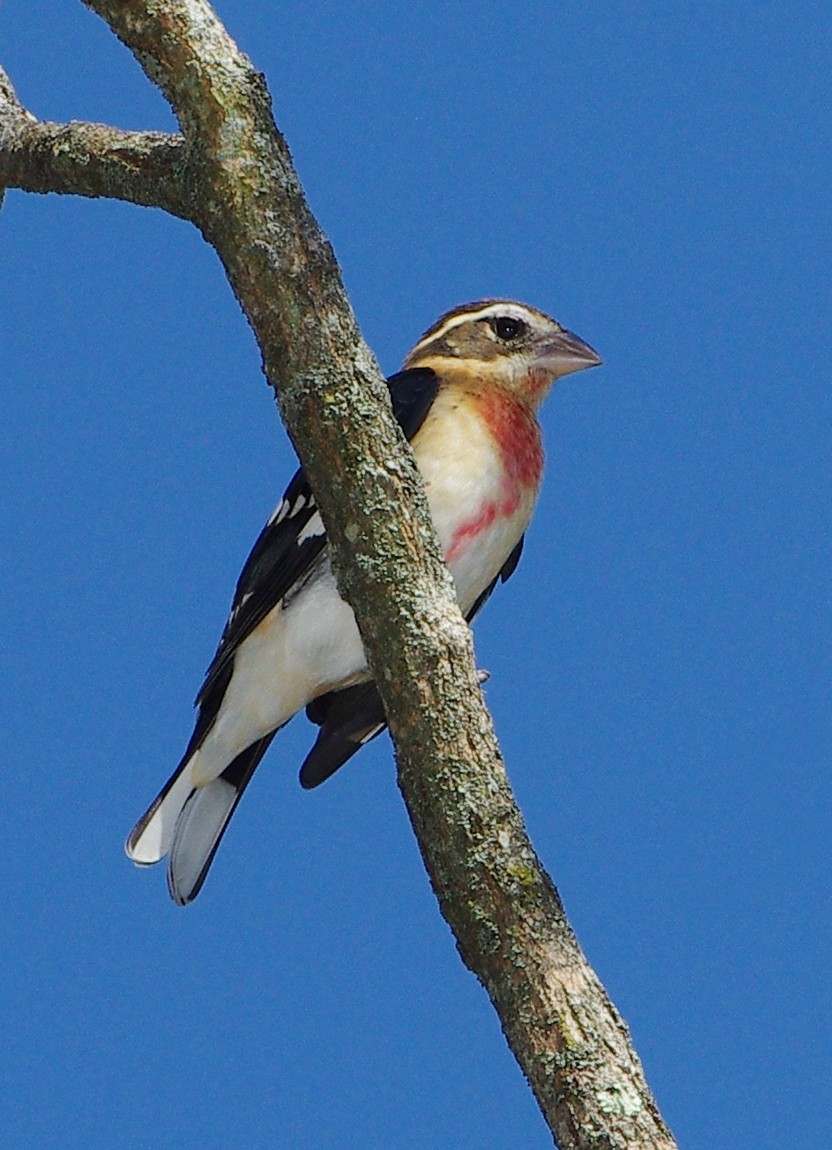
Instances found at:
x=187 y=823
x=203 y=820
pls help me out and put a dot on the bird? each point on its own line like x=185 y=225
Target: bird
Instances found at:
x=466 y=399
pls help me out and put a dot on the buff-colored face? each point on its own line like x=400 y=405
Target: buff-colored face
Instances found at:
x=502 y=338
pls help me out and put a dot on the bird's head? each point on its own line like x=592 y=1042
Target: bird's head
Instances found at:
x=504 y=343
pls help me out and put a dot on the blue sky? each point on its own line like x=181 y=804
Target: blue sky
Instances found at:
x=658 y=177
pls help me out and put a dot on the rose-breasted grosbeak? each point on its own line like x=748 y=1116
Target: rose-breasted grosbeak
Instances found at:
x=466 y=400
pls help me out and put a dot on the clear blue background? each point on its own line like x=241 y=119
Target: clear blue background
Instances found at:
x=657 y=176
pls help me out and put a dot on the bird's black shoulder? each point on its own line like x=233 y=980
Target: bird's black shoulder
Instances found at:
x=411 y=394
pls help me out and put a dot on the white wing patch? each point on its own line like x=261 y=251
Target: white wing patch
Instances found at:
x=285 y=509
x=313 y=528
x=279 y=514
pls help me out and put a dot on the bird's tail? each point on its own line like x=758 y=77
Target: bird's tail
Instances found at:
x=188 y=822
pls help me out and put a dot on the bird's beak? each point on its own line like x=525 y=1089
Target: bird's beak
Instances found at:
x=565 y=353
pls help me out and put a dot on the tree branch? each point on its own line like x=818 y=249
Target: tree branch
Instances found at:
x=83 y=159
x=233 y=176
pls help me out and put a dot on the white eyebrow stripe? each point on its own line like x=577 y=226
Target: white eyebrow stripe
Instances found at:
x=454 y=321
x=499 y=307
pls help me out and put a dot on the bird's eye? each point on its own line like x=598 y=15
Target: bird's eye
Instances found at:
x=506 y=327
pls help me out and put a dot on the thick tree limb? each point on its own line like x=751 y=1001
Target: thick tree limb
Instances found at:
x=231 y=174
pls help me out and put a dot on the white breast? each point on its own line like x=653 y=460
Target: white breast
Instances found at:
x=478 y=513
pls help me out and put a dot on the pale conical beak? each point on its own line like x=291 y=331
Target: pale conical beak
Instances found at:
x=565 y=353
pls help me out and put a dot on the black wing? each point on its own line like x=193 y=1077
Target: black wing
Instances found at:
x=348 y=719
x=505 y=573
x=355 y=715
x=288 y=547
